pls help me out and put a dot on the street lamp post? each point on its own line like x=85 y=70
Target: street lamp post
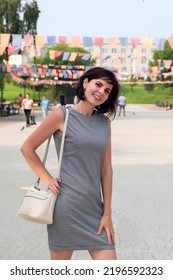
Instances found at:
x=56 y=86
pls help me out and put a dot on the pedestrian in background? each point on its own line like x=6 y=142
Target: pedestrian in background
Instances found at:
x=62 y=100
x=45 y=104
x=28 y=107
x=122 y=104
x=20 y=100
x=75 y=100
x=166 y=104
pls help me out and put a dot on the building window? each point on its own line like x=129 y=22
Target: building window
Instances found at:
x=114 y=50
x=143 y=61
x=123 y=61
x=90 y=50
x=104 y=50
x=123 y=50
x=143 y=50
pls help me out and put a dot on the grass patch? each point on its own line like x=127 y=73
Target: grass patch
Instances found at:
x=137 y=95
x=141 y=96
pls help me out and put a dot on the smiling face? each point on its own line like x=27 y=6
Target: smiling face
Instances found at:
x=97 y=91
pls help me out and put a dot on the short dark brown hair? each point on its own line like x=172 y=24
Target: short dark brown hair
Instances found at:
x=109 y=106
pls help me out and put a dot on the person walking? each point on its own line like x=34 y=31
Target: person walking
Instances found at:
x=20 y=100
x=122 y=104
x=166 y=104
x=28 y=106
x=62 y=100
x=75 y=100
x=82 y=214
x=45 y=103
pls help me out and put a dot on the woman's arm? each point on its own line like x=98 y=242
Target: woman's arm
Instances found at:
x=106 y=180
x=54 y=122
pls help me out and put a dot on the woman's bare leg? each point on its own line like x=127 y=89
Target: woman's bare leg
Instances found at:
x=103 y=254
x=60 y=255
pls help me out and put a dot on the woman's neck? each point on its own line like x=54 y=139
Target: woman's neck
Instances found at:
x=84 y=108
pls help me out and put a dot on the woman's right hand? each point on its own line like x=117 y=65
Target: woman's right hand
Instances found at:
x=54 y=185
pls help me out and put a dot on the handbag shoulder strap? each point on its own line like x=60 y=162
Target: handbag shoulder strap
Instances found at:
x=62 y=141
x=61 y=147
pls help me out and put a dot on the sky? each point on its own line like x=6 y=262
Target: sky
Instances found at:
x=106 y=18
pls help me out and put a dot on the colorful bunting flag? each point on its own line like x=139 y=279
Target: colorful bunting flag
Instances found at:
x=123 y=41
x=4 y=39
x=17 y=40
x=28 y=40
x=170 y=40
x=51 y=40
x=52 y=54
x=62 y=40
x=75 y=42
x=65 y=55
x=73 y=56
x=86 y=56
x=147 y=43
x=159 y=43
x=2 y=49
x=135 y=41
x=98 y=41
x=107 y=57
x=43 y=52
x=87 y=42
x=39 y=41
x=112 y=41
x=58 y=53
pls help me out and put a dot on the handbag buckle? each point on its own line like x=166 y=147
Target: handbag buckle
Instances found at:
x=36 y=186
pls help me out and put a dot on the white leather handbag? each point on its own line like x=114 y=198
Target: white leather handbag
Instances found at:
x=38 y=205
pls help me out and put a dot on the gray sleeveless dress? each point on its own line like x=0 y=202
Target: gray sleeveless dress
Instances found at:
x=79 y=205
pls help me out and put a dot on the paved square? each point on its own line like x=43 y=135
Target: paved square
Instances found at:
x=142 y=146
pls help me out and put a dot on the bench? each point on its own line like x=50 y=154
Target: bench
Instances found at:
x=3 y=111
x=13 y=108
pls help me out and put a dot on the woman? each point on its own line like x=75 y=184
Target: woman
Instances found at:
x=82 y=216
x=28 y=106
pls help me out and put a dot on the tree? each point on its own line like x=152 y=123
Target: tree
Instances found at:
x=2 y=83
x=18 y=18
x=30 y=17
x=10 y=16
x=133 y=80
x=149 y=87
x=166 y=54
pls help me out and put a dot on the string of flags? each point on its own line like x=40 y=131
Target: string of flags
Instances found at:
x=51 y=74
x=38 y=45
x=16 y=42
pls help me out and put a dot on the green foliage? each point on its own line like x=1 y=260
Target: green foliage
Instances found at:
x=149 y=87
x=141 y=96
x=2 y=79
x=166 y=54
x=2 y=83
x=132 y=79
x=58 y=60
x=31 y=14
x=18 y=18
x=138 y=96
x=10 y=16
